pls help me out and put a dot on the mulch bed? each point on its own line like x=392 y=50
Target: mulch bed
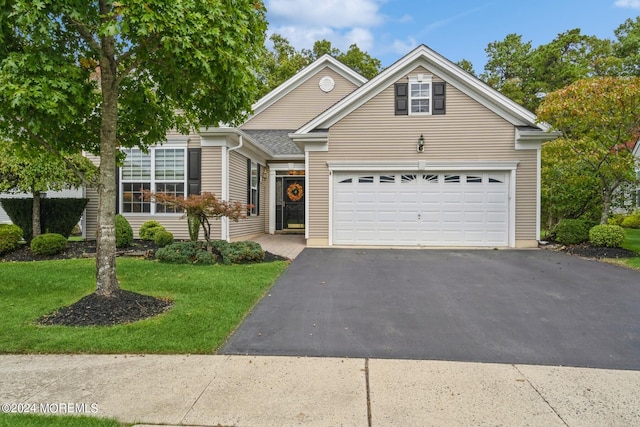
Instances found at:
x=586 y=250
x=96 y=310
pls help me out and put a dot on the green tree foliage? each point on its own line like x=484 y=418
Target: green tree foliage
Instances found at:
x=507 y=68
x=39 y=171
x=466 y=65
x=106 y=74
x=570 y=188
x=283 y=61
x=627 y=47
x=599 y=118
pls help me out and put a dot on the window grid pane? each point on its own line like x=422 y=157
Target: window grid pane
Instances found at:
x=137 y=165
x=132 y=200
x=169 y=164
x=172 y=188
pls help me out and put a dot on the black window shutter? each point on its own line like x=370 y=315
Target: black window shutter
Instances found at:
x=194 y=160
x=401 y=99
x=248 y=185
x=258 y=192
x=439 y=104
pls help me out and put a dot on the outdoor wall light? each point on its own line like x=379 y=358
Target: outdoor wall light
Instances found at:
x=420 y=146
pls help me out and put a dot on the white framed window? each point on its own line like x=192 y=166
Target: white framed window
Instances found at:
x=254 y=194
x=420 y=94
x=160 y=170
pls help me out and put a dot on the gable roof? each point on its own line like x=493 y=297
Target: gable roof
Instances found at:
x=445 y=69
x=302 y=76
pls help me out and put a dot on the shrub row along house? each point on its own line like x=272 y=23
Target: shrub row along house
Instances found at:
x=423 y=154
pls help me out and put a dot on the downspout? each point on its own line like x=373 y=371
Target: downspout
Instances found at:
x=224 y=221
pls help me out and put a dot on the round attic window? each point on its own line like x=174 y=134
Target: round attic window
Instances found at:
x=327 y=84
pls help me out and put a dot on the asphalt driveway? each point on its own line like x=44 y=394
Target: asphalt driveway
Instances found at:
x=511 y=306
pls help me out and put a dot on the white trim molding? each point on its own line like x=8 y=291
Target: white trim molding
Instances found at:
x=532 y=139
x=421 y=165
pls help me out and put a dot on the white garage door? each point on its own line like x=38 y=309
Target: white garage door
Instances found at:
x=430 y=209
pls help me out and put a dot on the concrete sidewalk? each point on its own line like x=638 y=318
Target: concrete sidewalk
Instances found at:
x=282 y=391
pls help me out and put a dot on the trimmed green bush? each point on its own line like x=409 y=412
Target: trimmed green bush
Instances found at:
x=242 y=252
x=615 y=219
x=20 y=211
x=572 y=231
x=185 y=253
x=632 y=221
x=61 y=215
x=10 y=236
x=48 y=244
x=57 y=215
x=163 y=238
x=149 y=229
x=610 y=236
x=124 y=232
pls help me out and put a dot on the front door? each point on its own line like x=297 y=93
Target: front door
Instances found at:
x=293 y=203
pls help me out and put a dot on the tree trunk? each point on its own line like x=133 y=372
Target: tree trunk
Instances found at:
x=35 y=215
x=106 y=278
x=606 y=207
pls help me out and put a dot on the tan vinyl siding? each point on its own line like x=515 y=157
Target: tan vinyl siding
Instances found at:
x=211 y=170
x=301 y=104
x=91 y=215
x=91 y=211
x=253 y=225
x=211 y=180
x=318 y=196
x=468 y=131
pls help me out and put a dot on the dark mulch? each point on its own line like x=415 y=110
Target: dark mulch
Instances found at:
x=587 y=250
x=96 y=310
x=84 y=249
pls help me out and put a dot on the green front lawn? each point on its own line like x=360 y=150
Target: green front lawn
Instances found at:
x=209 y=303
x=632 y=242
x=632 y=239
x=31 y=420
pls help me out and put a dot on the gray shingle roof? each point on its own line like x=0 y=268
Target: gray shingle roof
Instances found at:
x=276 y=141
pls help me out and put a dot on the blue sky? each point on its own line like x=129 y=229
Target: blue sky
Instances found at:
x=457 y=29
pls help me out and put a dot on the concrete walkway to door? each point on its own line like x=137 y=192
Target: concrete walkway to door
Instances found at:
x=286 y=245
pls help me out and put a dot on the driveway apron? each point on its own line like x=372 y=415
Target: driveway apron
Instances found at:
x=509 y=306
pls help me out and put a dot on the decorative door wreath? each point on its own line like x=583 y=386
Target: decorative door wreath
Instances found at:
x=295 y=192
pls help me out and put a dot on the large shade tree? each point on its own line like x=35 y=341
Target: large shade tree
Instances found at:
x=600 y=120
x=103 y=74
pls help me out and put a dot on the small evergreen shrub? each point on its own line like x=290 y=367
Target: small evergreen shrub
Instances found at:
x=615 y=219
x=242 y=252
x=124 y=232
x=163 y=238
x=61 y=215
x=20 y=211
x=10 y=235
x=632 y=221
x=149 y=229
x=57 y=215
x=572 y=231
x=48 y=244
x=609 y=236
x=185 y=253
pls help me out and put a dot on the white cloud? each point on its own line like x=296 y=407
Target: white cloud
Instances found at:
x=633 y=4
x=343 y=23
x=402 y=47
x=360 y=36
x=336 y=13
